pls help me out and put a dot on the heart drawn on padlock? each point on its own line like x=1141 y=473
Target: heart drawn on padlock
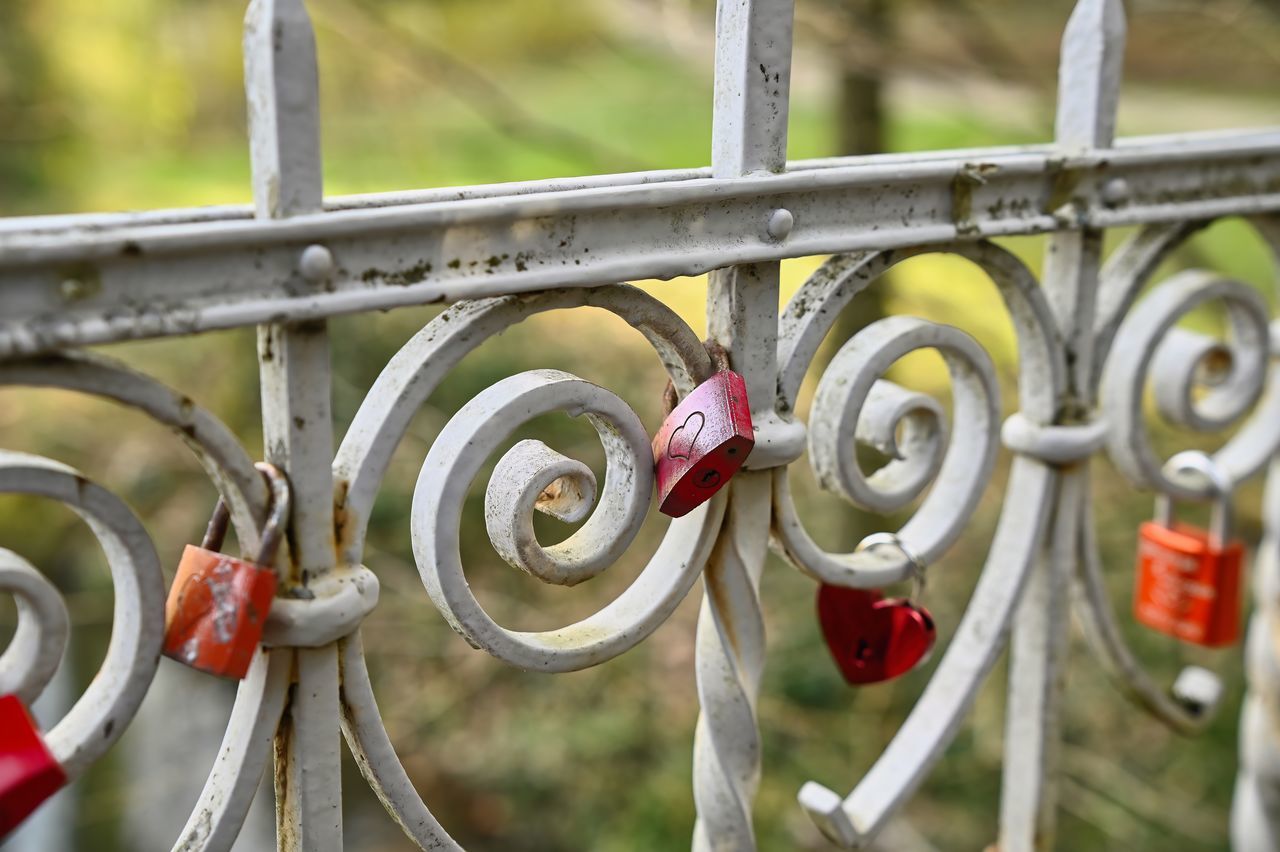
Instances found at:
x=685 y=437
x=871 y=638
x=703 y=442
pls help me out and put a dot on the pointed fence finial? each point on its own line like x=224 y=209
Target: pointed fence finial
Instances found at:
x=284 y=110
x=1089 y=74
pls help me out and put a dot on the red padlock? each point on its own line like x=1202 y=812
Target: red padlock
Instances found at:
x=871 y=638
x=702 y=443
x=218 y=604
x=1189 y=579
x=28 y=772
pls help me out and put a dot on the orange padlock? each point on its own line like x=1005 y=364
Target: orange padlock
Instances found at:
x=218 y=604
x=1189 y=578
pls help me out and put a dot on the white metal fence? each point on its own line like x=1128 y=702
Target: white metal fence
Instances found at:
x=1088 y=347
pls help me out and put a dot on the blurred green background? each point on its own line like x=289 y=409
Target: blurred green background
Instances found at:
x=133 y=104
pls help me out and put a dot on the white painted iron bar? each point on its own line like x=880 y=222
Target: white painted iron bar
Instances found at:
x=180 y=279
x=281 y=83
x=1164 y=157
x=1088 y=94
x=749 y=137
x=26 y=226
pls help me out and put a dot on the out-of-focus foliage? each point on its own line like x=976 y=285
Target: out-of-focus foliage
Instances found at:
x=110 y=104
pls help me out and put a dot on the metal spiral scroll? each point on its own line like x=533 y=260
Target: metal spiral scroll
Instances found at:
x=110 y=702
x=518 y=488
x=455 y=459
x=853 y=403
x=101 y=715
x=98 y=718
x=1199 y=383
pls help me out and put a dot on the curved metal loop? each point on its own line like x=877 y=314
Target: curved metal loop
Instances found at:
x=110 y=702
x=908 y=427
x=455 y=459
x=35 y=650
x=273 y=530
x=919 y=573
x=1134 y=354
x=853 y=404
x=417 y=369
x=1131 y=343
x=216 y=447
x=1190 y=704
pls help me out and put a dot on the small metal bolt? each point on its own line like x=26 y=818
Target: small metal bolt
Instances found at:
x=1197 y=689
x=780 y=224
x=72 y=289
x=316 y=263
x=1115 y=192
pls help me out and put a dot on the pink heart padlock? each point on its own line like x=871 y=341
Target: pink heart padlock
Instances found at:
x=873 y=639
x=702 y=443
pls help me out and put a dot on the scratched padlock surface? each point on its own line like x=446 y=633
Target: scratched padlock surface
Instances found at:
x=703 y=442
x=215 y=616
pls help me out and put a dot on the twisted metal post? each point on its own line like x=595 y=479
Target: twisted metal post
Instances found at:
x=752 y=90
x=1255 y=807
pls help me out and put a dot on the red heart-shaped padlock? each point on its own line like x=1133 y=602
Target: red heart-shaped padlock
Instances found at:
x=873 y=639
x=702 y=443
x=28 y=772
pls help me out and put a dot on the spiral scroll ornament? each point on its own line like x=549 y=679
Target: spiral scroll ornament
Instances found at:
x=855 y=403
x=1179 y=363
x=1198 y=383
x=101 y=714
x=455 y=459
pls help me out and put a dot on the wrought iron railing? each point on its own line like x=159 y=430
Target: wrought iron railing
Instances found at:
x=1088 y=346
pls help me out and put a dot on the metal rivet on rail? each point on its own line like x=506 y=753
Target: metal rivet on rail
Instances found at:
x=1115 y=192
x=316 y=263
x=780 y=224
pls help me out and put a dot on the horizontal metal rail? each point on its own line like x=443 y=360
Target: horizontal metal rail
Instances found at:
x=69 y=281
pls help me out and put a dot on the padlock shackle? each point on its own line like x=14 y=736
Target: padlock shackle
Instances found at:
x=719 y=363
x=1221 y=484
x=216 y=532
x=277 y=516
x=888 y=539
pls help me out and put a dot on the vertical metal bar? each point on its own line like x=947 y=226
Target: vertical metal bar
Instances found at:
x=1088 y=91
x=1255 y=804
x=282 y=87
x=752 y=89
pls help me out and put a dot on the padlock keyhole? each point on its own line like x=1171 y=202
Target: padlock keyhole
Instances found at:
x=863 y=655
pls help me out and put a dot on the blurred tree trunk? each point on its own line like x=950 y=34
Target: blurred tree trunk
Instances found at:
x=861 y=129
x=860 y=101
x=27 y=125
